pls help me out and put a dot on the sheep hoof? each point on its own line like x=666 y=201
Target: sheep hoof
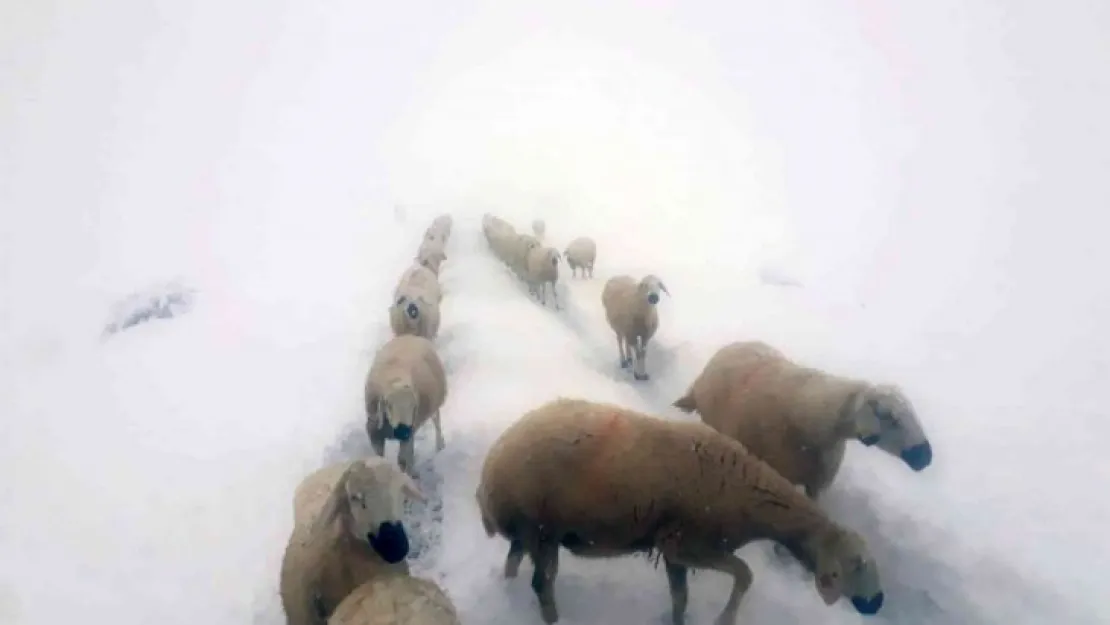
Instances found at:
x=641 y=376
x=626 y=363
x=549 y=613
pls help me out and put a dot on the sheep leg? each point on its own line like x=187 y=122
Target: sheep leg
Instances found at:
x=676 y=578
x=440 y=444
x=725 y=563
x=626 y=360
x=545 y=558
x=406 y=456
x=377 y=440
x=639 y=370
x=513 y=558
x=555 y=296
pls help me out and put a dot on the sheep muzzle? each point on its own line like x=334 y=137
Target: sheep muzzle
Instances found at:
x=402 y=432
x=391 y=542
x=865 y=605
x=918 y=456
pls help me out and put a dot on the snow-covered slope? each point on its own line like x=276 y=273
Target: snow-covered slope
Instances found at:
x=932 y=177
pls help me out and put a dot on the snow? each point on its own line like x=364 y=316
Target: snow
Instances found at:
x=931 y=179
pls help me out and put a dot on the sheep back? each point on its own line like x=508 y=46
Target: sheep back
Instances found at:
x=543 y=265
x=417 y=281
x=782 y=412
x=396 y=600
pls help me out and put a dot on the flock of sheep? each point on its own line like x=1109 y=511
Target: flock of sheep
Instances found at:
x=596 y=479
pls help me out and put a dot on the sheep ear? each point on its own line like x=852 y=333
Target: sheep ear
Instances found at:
x=409 y=488
x=664 y=287
x=336 y=503
x=827 y=589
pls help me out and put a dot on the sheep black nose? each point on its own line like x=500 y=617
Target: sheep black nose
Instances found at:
x=391 y=543
x=919 y=456
x=402 y=432
x=412 y=311
x=864 y=605
x=653 y=298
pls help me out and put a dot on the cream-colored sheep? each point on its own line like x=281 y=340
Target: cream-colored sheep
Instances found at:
x=396 y=600
x=413 y=314
x=431 y=254
x=502 y=243
x=347 y=528
x=539 y=228
x=419 y=281
x=580 y=254
x=442 y=225
x=604 y=481
x=519 y=248
x=799 y=418
x=542 y=269
x=630 y=311
x=406 y=385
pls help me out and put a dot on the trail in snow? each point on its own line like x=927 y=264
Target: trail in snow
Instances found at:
x=506 y=354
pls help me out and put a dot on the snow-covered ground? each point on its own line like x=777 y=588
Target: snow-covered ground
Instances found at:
x=932 y=177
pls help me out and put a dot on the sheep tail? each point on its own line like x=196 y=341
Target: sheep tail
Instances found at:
x=686 y=402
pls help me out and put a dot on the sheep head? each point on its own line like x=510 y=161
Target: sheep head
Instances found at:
x=884 y=416
x=409 y=306
x=844 y=568
x=369 y=500
x=650 y=287
x=397 y=409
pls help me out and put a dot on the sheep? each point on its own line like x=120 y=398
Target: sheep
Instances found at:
x=347 y=528
x=538 y=229
x=419 y=281
x=493 y=223
x=396 y=600
x=798 y=419
x=604 y=481
x=442 y=225
x=412 y=314
x=518 y=249
x=542 y=268
x=405 y=386
x=630 y=311
x=431 y=254
x=580 y=254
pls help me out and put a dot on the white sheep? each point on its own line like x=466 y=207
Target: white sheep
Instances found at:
x=405 y=387
x=431 y=254
x=442 y=225
x=604 y=481
x=518 y=250
x=396 y=600
x=798 y=419
x=347 y=528
x=542 y=268
x=412 y=314
x=580 y=254
x=630 y=311
x=538 y=229
x=419 y=281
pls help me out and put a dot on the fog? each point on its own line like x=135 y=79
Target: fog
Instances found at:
x=932 y=176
